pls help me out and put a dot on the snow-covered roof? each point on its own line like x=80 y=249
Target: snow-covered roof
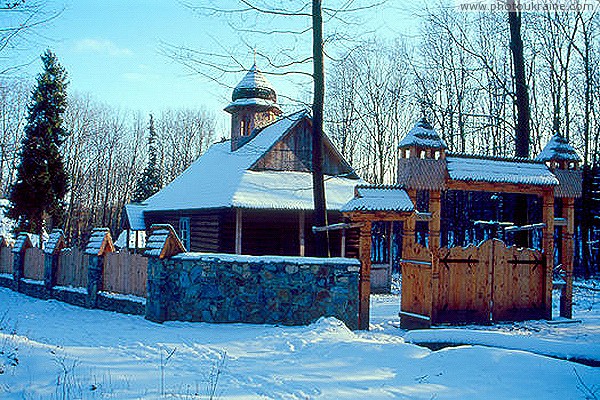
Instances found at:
x=99 y=241
x=558 y=149
x=55 y=241
x=22 y=243
x=497 y=170
x=135 y=216
x=221 y=178
x=253 y=89
x=380 y=198
x=163 y=242
x=423 y=135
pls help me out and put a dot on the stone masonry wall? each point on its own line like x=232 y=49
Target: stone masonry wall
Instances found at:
x=252 y=289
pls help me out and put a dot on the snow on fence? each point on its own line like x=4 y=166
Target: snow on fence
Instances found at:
x=125 y=273
x=72 y=268
x=33 y=268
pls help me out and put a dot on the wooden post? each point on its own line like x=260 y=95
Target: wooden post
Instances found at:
x=301 y=237
x=364 y=252
x=435 y=207
x=343 y=249
x=21 y=245
x=568 y=231
x=548 y=245
x=238 y=231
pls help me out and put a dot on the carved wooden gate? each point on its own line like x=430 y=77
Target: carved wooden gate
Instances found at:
x=476 y=284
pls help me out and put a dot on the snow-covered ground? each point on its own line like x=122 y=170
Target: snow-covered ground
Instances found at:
x=51 y=350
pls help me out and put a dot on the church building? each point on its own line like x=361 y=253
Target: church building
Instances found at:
x=252 y=194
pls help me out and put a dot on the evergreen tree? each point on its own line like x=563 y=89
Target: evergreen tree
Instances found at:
x=150 y=181
x=38 y=193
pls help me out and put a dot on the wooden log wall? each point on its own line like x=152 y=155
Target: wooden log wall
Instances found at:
x=205 y=226
x=125 y=273
x=34 y=264
x=72 y=268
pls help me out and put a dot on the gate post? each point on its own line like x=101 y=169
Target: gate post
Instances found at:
x=364 y=253
x=568 y=231
x=55 y=243
x=548 y=244
x=99 y=244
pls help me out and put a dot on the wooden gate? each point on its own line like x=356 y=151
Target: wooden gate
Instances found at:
x=476 y=284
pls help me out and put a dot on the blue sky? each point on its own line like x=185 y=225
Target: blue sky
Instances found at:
x=111 y=49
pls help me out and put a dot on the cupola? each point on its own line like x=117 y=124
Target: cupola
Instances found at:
x=253 y=105
x=559 y=154
x=422 y=141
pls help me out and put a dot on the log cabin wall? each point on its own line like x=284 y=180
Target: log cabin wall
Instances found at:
x=264 y=232
x=204 y=226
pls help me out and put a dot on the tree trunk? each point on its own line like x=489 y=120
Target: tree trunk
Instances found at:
x=523 y=114
x=320 y=214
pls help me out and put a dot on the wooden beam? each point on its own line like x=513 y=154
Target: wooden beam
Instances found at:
x=336 y=227
x=370 y=216
x=238 y=231
x=498 y=187
x=567 y=233
x=301 y=235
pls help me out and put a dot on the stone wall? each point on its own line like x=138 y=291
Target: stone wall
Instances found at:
x=253 y=289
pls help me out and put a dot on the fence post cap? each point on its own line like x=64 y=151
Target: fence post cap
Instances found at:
x=100 y=242
x=55 y=243
x=22 y=243
x=163 y=242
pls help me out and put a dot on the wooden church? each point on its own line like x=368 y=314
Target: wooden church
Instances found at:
x=252 y=194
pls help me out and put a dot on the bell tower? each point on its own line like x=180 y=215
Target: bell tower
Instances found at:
x=253 y=105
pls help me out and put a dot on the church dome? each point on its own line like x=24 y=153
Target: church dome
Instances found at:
x=254 y=85
x=253 y=90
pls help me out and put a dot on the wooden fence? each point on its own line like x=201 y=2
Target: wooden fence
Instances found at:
x=34 y=264
x=125 y=273
x=477 y=284
x=6 y=260
x=72 y=268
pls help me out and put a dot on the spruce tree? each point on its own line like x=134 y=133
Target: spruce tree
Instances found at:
x=150 y=182
x=38 y=194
